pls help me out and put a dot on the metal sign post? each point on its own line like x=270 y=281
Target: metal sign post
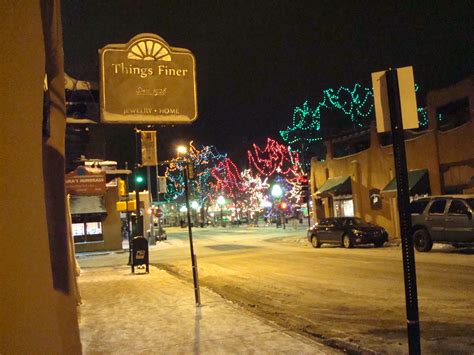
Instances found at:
x=139 y=224
x=403 y=197
x=197 y=295
x=129 y=232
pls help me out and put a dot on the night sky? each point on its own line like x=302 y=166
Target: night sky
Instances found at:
x=257 y=60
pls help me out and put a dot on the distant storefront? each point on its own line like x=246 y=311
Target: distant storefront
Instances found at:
x=96 y=224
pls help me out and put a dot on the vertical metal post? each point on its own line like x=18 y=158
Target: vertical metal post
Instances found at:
x=308 y=195
x=129 y=232
x=197 y=295
x=403 y=197
x=222 y=216
x=139 y=224
x=158 y=202
x=151 y=240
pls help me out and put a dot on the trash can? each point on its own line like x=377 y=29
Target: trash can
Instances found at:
x=140 y=253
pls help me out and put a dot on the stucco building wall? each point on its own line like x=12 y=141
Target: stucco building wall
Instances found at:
x=374 y=168
x=37 y=299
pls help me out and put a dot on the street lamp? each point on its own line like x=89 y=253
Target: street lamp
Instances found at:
x=182 y=151
x=277 y=191
x=221 y=203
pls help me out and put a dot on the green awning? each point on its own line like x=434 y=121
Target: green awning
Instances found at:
x=418 y=183
x=336 y=186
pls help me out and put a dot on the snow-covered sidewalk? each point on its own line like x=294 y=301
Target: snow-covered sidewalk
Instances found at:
x=155 y=313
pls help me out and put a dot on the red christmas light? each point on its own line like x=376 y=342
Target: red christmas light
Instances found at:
x=228 y=179
x=275 y=158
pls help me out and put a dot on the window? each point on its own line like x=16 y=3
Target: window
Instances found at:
x=453 y=114
x=344 y=208
x=418 y=206
x=470 y=202
x=457 y=207
x=353 y=222
x=84 y=230
x=94 y=228
x=437 y=207
x=324 y=222
x=78 y=229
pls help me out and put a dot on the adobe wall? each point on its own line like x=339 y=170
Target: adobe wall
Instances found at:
x=456 y=145
x=37 y=314
x=374 y=169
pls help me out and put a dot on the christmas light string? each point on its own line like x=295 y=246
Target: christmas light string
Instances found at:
x=355 y=103
x=274 y=159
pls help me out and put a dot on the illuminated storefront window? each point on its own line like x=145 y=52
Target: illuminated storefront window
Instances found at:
x=344 y=207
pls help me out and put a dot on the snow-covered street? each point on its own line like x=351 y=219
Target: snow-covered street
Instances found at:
x=350 y=299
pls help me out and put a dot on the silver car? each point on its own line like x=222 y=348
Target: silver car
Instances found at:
x=442 y=219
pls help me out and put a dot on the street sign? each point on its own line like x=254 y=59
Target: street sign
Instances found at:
x=162 y=188
x=149 y=154
x=397 y=126
x=147 y=81
x=84 y=181
x=406 y=92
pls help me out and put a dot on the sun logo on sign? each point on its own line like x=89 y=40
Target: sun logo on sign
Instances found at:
x=149 y=50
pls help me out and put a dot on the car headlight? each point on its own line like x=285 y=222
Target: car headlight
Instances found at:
x=357 y=232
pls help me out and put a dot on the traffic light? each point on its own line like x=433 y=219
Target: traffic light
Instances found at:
x=139 y=181
x=304 y=183
x=121 y=187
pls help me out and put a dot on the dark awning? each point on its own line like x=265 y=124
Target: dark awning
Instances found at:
x=336 y=186
x=87 y=204
x=418 y=183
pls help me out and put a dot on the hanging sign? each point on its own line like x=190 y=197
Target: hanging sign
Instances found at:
x=147 y=81
x=162 y=188
x=375 y=199
x=148 y=140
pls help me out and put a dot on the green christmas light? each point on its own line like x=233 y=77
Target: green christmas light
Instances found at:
x=354 y=103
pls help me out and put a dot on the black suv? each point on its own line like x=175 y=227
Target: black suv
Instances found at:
x=442 y=219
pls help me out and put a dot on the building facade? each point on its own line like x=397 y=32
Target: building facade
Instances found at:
x=38 y=296
x=440 y=161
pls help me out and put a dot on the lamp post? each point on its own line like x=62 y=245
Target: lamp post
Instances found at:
x=277 y=193
x=182 y=151
x=221 y=202
x=195 y=207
